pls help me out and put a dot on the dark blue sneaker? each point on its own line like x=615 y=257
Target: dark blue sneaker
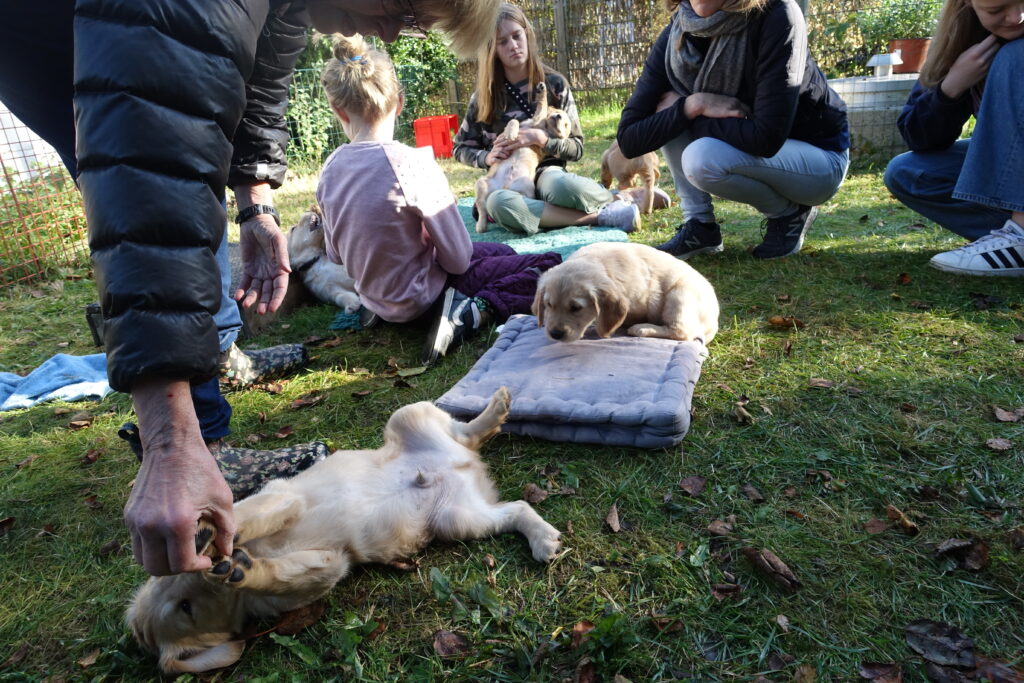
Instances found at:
x=784 y=235
x=458 y=320
x=694 y=237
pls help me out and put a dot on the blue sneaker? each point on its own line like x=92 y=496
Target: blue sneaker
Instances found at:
x=694 y=237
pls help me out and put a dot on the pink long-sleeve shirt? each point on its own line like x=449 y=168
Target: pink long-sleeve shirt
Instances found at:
x=391 y=219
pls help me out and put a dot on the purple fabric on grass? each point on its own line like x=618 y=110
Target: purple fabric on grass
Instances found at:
x=504 y=279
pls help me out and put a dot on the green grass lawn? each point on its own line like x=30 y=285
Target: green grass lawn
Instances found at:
x=914 y=361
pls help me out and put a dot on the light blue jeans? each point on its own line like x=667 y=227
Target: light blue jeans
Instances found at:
x=972 y=187
x=799 y=173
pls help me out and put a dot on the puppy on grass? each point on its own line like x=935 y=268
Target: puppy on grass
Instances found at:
x=517 y=171
x=615 y=166
x=298 y=537
x=327 y=281
x=611 y=285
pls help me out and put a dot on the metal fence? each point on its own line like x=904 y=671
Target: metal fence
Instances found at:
x=41 y=221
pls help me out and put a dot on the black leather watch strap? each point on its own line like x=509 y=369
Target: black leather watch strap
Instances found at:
x=255 y=210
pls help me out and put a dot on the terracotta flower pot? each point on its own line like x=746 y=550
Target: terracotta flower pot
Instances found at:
x=913 y=52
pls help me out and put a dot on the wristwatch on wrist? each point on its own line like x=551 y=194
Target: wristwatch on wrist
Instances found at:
x=255 y=210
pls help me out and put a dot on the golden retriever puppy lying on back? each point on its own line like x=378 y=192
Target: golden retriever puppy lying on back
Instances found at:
x=615 y=284
x=298 y=537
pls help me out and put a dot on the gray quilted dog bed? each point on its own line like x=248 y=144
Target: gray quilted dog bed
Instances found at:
x=622 y=391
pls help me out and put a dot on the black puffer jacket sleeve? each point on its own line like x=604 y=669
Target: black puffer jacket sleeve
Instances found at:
x=262 y=136
x=160 y=89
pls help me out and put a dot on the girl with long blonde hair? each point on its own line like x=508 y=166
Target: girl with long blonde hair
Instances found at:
x=391 y=219
x=509 y=70
x=973 y=187
x=731 y=95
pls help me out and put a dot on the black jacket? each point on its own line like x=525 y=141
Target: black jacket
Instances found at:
x=812 y=112
x=931 y=121
x=173 y=100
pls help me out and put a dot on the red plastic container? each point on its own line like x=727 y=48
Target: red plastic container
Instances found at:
x=436 y=132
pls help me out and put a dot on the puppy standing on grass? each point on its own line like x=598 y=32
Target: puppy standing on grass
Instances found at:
x=615 y=166
x=298 y=537
x=328 y=281
x=518 y=170
x=612 y=285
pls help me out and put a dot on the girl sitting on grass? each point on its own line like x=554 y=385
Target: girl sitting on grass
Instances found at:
x=391 y=219
x=974 y=187
x=509 y=69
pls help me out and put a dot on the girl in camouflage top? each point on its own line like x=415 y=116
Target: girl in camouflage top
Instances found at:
x=509 y=68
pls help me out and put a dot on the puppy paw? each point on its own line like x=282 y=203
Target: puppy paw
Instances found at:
x=501 y=402
x=232 y=571
x=545 y=545
x=204 y=537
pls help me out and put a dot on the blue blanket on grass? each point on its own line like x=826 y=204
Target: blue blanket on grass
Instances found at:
x=61 y=377
x=561 y=240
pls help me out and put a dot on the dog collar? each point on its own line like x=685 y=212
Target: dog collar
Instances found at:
x=308 y=264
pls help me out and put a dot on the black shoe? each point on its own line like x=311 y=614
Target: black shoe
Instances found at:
x=367 y=318
x=694 y=237
x=784 y=236
x=458 y=319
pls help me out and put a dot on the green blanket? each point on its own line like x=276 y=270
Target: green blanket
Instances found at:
x=561 y=240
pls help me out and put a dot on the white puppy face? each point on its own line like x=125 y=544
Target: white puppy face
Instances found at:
x=575 y=295
x=306 y=239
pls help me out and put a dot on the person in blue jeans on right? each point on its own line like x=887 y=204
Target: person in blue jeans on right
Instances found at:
x=973 y=187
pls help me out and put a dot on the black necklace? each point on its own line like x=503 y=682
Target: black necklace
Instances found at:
x=520 y=99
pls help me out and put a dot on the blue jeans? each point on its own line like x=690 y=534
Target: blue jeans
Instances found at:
x=799 y=173
x=972 y=187
x=36 y=76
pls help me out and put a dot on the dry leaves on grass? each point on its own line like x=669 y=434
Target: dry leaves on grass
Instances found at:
x=693 y=485
x=999 y=444
x=92 y=503
x=579 y=632
x=307 y=400
x=752 y=494
x=91 y=456
x=720 y=528
x=741 y=414
x=81 y=420
x=1003 y=415
x=971 y=555
x=820 y=383
x=786 y=322
x=881 y=672
x=111 y=547
x=15 y=657
x=768 y=564
x=448 y=644
x=805 y=673
x=26 y=462
x=875 y=526
x=615 y=522
x=298 y=620
x=534 y=494
x=940 y=643
x=723 y=591
x=88 y=660
x=905 y=523
x=284 y=432
x=1016 y=538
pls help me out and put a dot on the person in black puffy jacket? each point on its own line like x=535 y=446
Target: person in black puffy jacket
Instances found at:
x=731 y=95
x=157 y=107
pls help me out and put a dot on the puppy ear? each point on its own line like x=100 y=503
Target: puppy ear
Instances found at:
x=175 y=660
x=538 y=303
x=612 y=308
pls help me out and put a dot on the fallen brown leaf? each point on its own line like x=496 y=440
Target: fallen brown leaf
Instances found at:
x=377 y=632
x=999 y=444
x=782 y=298
x=881 y=672
x=261 y=417
x=284 y=432
x=786 y=322
x=298 y=620
x=1019 y=338
x=1016 y=538
x=693 y=485
x=273 y=387
x=579 y=632
x=769 y=564
x=91 y=456
x=111 y=547
x=534 y=494
x=26 y=462
x=742 y=415
x=752 y=494
x=612 y=518
x=789 y=491
x=905 y=523
x=489 y=561
x=783 y=621
x=820 y=383
x=448 y=644
x=971 y=555
x=719 y=528
x=307 y=400
x=6 y=524
x=666 y=625
x=721 y=591
x=940 y=643
x=1005 y=415
x=412 y=372
x=16 y=656
x=92 y=503
x=908 y=408
x=47 y=530
x=903 y=279
x=88 y=660
x=586 y=671
x=361 y=394
x=945 y=674
x=795 y=514
x=787 y=348
x=805 y=673
x=875 y=526
x=996 y=671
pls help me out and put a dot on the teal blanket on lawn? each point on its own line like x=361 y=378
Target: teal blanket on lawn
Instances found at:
x=561 y=240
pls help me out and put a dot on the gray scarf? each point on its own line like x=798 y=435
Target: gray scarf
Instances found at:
x=721 y=70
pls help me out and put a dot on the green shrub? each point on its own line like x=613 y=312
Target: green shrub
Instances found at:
x=895 y=19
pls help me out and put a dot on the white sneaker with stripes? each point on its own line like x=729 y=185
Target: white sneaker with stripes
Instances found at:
x=999 y=253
